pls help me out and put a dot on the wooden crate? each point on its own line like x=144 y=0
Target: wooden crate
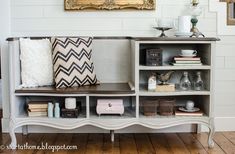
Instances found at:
x=165 y=88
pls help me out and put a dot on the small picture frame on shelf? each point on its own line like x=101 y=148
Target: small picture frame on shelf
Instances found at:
x=154 y=57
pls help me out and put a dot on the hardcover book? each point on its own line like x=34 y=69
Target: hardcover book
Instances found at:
x=188 y=64
x=37 y=104
x=37 y=114
x=181 y=113
x=37 y=109
x=187 y=58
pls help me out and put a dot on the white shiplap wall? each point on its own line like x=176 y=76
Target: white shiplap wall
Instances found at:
x=47 y=18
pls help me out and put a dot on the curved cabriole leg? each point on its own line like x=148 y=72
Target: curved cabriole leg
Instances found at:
x=211 y=134
x=210 y=138
x=12 y=134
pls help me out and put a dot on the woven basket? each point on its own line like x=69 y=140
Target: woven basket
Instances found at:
x=150 y=107
x=166 y=107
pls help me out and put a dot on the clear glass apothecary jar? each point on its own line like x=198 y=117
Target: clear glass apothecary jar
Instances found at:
x=185 y=83
x=198 y=83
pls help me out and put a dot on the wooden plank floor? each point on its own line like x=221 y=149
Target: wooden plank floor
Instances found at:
x=172 y=143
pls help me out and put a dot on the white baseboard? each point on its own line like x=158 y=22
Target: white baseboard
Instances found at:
x=221 y=124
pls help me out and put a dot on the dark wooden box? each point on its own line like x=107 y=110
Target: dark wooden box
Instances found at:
x=154 y=57
x=69 y=113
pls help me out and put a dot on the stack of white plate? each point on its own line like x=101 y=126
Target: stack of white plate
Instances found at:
x=181 y=34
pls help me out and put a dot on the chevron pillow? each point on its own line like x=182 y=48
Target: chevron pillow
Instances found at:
x=72 y=62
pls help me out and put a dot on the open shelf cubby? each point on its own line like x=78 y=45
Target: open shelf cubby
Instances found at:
x=24 y=100
x=201 y=101
x=172 y=50
x=129 y=103
x=175 y=79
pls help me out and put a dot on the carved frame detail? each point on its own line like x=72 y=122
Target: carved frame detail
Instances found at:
x=230 y=20
x=109 y=4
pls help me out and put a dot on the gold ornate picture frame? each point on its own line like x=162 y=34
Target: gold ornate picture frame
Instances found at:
x=230 y=11
x=109 y=4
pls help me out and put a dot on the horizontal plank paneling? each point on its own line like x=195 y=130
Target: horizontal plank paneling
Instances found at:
x=58 y=12
x=225 y=75
x=226 y=40
x=225 y=49
x=65 y=24
x=225 y=109
x=179 y=10
x=179 y=2
x=224 y=87
x=138 y=24
x=230 y=62
x=69 y=33
x=27 y=12
x=36 y=2
x=220 y=62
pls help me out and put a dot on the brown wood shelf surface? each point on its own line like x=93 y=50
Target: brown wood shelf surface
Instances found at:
x=103 y=88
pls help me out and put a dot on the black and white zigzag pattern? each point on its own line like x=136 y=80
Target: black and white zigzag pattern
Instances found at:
x=72 y=62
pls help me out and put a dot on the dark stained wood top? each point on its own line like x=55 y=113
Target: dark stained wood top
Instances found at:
x=48 y=37
x=175 y=39
x=133 y=38
x=103 y=88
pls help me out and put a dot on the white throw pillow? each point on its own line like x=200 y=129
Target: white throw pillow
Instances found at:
x=36 y=62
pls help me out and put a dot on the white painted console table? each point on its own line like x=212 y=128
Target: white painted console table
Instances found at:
x=131 y=71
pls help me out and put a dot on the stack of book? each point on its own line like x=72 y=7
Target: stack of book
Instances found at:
x=187 y=61
x=181 y=113
x=37 y=109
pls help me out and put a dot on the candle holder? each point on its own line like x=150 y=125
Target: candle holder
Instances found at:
x=195 y=12
x=164 y=24
x=163 y=29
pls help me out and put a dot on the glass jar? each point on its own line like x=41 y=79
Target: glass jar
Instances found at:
x=152 y=83
x=57 y=110
x=50 y=110
x=185 y=83
x=198 y=84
